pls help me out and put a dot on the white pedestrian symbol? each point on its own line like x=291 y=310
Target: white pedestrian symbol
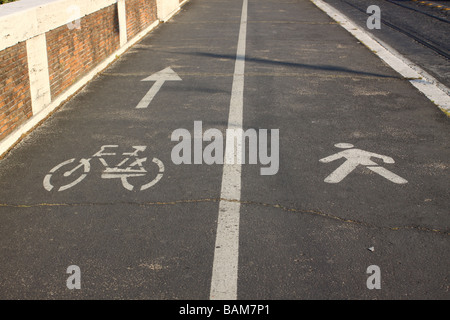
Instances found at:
x=356 y=157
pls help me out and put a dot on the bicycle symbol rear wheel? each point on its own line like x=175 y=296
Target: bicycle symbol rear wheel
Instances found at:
x=77 y=174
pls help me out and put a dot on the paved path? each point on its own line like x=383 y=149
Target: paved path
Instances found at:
x=358 y=171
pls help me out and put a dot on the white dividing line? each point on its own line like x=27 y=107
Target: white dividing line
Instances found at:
x=225 y=265
x=424 y=82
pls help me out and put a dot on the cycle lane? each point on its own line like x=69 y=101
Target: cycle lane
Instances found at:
x=157 y=243
x=302 y=237
x=136 y=245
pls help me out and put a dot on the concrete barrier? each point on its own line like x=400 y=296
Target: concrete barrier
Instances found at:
x=49 y=49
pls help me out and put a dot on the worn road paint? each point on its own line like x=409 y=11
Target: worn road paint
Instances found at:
x=160 y=77
x=225 y=265
x=356 y=157
x=135 y=169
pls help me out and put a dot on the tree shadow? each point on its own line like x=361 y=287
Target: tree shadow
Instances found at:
x=324 y=67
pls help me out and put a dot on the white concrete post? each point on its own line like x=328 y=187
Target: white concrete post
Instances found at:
x=166 y=8
x=38 y=72
x=121 y=8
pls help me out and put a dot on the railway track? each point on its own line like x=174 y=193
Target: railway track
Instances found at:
x=418 y=10
x=433 y=4
x=435 y=47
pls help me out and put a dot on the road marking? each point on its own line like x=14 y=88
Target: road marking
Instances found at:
x=160 y=77
x=424 y=82
x=48 y=185
x=356 y=157
x=135 y=169
x=225 y=265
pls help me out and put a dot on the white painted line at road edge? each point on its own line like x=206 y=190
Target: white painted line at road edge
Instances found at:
x=225 y=265
x=425 y=83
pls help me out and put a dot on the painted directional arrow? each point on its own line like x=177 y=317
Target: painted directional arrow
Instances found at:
x=160 y=77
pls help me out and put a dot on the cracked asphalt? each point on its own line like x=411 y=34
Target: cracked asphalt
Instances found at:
x=300 y=237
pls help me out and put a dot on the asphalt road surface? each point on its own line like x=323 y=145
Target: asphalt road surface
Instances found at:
x=354 y=203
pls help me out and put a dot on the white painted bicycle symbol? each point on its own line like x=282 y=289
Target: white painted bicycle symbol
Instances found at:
x=78 y=172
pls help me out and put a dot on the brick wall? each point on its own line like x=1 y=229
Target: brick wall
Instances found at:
x=43 y=60
x=140 y=14
x=73 y=53
x=15 y=100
